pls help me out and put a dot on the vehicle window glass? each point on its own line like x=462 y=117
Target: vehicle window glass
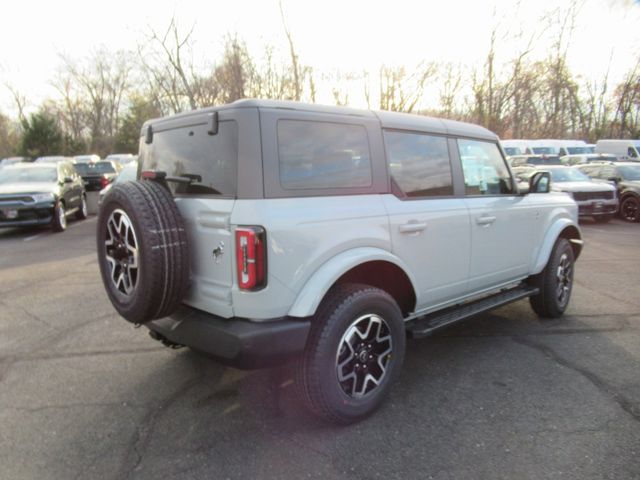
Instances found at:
x=206 y=164
x=485 y=172
x=28 y=174
x=632 y=152
x=419 y=164
x=629 y=172
x=323 y=155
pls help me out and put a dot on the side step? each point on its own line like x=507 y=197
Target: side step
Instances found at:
x=425 y=326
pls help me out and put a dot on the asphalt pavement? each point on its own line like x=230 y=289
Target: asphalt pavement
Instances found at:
x=83 y=394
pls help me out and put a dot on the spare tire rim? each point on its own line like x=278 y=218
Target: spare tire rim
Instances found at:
x=363 y=357
x=121 y=250
x=564 y=277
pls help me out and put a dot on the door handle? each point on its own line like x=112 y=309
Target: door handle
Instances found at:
x=485 y=220
x=412 y=227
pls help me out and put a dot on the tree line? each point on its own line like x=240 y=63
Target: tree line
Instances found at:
x=103 y=99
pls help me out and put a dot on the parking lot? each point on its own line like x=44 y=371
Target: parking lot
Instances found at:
x=83 y=394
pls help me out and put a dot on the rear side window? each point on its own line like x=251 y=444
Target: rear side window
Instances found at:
x=205 y=164
x=419 y=164
x=314 y=155
x=485 y=171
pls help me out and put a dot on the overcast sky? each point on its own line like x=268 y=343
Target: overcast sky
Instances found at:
x=330 y=35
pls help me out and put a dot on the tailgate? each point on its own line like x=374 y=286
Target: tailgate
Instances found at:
x=211 y=253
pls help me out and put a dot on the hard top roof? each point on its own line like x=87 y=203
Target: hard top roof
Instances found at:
x=392 y=120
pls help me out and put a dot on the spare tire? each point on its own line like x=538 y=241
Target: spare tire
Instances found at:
x=142 y=251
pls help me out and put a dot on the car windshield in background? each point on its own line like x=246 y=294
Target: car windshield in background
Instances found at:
x=578 y=150
x=630 y=172
x=545 y=150
x=513 y=151
x=28 y=175
x=568 y=175
x=94 y=168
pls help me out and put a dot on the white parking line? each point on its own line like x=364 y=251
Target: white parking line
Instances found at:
x=33 y=237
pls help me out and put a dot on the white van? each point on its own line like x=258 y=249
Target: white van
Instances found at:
x=625 y=150
x=515 y=147
x=560 y=147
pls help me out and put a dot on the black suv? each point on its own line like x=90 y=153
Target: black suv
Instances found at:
x=626 y=177
x=41 y=194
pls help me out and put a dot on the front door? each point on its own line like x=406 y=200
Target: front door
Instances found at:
x=503 y=223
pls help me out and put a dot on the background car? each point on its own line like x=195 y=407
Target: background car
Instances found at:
x=41 y=194
x=86 y=158
x=520 y=160
x=128 y=173
x=122 y=158
x=626 y=178
x=12 y=160
x=595 y=199
x=53 y=159
x=588 y=158
x=98 y=175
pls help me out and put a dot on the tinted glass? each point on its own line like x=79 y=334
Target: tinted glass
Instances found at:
x=419 y=164
x=485 y=172
x=323 y=155
x=578 y=150
x=205 y=164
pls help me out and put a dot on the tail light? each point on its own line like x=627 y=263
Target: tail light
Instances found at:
x=104 y=181
x=251 y=258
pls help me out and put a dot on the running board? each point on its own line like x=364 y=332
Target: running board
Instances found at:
x=426 y=325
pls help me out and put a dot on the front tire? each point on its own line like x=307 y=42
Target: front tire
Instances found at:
x=59 y=223
x=555 y=282
x=354 y=353
x=630 y=209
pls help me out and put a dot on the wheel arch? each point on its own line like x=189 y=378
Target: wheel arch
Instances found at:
x=370 y=266
x=563 y=228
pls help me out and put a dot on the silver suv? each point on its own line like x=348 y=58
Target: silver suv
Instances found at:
x=265 y=231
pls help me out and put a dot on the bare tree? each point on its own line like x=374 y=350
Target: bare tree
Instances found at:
x=401 y=91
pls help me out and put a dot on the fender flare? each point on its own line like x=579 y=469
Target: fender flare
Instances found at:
x=326 y=275
x=549 y=241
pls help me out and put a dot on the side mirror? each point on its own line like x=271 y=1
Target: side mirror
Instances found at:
x=540 y=182
x=613 y=180
x=68 y=180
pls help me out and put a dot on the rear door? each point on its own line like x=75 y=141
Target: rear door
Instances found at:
x=207 y=163
x=429 y=225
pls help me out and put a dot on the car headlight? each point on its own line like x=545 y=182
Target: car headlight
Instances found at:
x=43 y=197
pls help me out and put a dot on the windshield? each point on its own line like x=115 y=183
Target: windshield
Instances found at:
x=28 y=175
x=94 y=168
x=545 y=150
x=568 y=175
x=629 y=172
x=578 y=150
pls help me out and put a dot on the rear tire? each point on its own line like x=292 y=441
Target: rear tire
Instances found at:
x=555 y=282
x=82 y=212
x=353 y=355
x=142 y=251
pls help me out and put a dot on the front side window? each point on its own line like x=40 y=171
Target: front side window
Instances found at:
x=632 y=152
x=419 y=164
x=485 y=172
x=316 y=155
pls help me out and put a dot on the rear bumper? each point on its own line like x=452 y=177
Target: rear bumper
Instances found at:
x=237 y=342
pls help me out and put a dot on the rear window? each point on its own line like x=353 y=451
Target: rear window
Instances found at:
x=204 y=164
x=94 y=168
x=323 y=155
